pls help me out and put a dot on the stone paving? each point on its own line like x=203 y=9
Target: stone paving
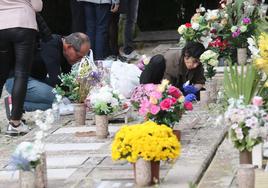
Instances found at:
x=77 y=161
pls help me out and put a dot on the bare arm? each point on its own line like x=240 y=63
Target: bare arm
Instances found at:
x=37 y=5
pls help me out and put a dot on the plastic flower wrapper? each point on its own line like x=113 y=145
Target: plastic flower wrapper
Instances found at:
x=248 y=123
x=26 y=156
x=105 y=100
x=143 y=61
x=149 y=141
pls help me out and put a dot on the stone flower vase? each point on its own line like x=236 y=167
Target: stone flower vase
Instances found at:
x=246 y=176
x=36 y=178
x=211 y=87
x=27 y=179
x=41 y=173
x=79 y=113
x=245 y=157
x=101 y=126
x=204 y=98
x=146 y=172
x=241 y=56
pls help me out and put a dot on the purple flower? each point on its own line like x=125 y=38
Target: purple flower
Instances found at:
x=141 y=65
x=246 y=21
x=236 y=33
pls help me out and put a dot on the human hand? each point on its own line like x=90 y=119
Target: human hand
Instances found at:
x=114 y=8
x=189 y=89
x=190 y=97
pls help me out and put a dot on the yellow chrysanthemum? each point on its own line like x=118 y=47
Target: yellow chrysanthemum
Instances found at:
x=148 y=141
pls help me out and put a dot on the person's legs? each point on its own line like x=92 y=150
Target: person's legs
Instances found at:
x=6 y=58
x=131 y=19
x=102 y=23
x=113 y=34
x=90 y=17
x=78 y=16
x=24 y=43
x=39 y=96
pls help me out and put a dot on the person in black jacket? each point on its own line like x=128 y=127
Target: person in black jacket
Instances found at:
x=54 y=57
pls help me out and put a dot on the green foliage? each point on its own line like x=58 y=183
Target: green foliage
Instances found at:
x=246 y=82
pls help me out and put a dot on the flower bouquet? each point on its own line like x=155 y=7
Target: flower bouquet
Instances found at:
x=145 y=144
x=104 y=101
x=30 y=157
x=163 y=103
x=76 y=86
x=210 y=60
x=248 y=123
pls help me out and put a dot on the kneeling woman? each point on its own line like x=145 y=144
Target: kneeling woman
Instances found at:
x=181 y=67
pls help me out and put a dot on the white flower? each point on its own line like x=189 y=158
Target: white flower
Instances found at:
x=206 y=40
x=182 y=29
x=195 y=26
x=213 y=62
x=239 y=133
x=243 y=28
x=234 y=28
x=234 y=126
x=207 y=55
x=254 y=133
x=212 y=15
x=202 y=9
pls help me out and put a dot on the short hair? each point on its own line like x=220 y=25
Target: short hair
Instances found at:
x=193 y=49
x=77 y=40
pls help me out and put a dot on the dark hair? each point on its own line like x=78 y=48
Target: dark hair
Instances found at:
x=193 y=49
x=154 y=71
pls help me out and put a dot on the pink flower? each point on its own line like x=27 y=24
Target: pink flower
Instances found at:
x=257 y=101
x=173 y=100
x=156 y=94
x=166 y=104
x=174 y=92
x=143 y=111
x=149 y=87
x=141 y=66
x=188 y=105
x=154 y=109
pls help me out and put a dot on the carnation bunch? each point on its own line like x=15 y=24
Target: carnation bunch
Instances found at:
x=105 y=100
x=161 y=103
x=210 y=60
x=149 y=141
x=248 y=123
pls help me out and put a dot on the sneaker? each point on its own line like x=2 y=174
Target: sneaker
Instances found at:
x=134 y=55
x=13 y=130
x=8 y=106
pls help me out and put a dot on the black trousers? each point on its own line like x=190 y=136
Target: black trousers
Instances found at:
x=78 y=16
x=16 y=53
x=113 y=34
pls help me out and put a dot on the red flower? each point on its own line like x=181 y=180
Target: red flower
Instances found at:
x=173 y=100
x=188 y=25
x=188 y=105
x=174 y=92
x=166 y=104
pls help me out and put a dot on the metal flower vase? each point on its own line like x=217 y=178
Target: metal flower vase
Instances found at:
x=80 y=113
x=245 y=157
x=101 y=126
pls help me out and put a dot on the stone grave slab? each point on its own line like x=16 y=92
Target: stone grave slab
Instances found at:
x=74 y=147
x=116 y=184
x=66 y=161
x=73 y=130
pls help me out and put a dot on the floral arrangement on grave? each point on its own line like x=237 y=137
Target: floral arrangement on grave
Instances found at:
x=27 y=155
x=162 y=103
x=143 y=61
x=220 y=46
x=210 y=60
x=77 y=84
x=149 y=141
x=105 y=100
x=248 y=123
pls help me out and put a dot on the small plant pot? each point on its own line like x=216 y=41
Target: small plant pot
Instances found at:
x=245 y=157
x=246 y=176
x=241 y=56
x=101 y=126
x=79 y=113
x=27 y=179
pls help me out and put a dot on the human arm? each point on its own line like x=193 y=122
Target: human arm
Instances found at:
x=115 y=5
x=37 y=5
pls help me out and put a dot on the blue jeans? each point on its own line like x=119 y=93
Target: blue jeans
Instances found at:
x=97 y=22
x=131 y=19
x=39 y=95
